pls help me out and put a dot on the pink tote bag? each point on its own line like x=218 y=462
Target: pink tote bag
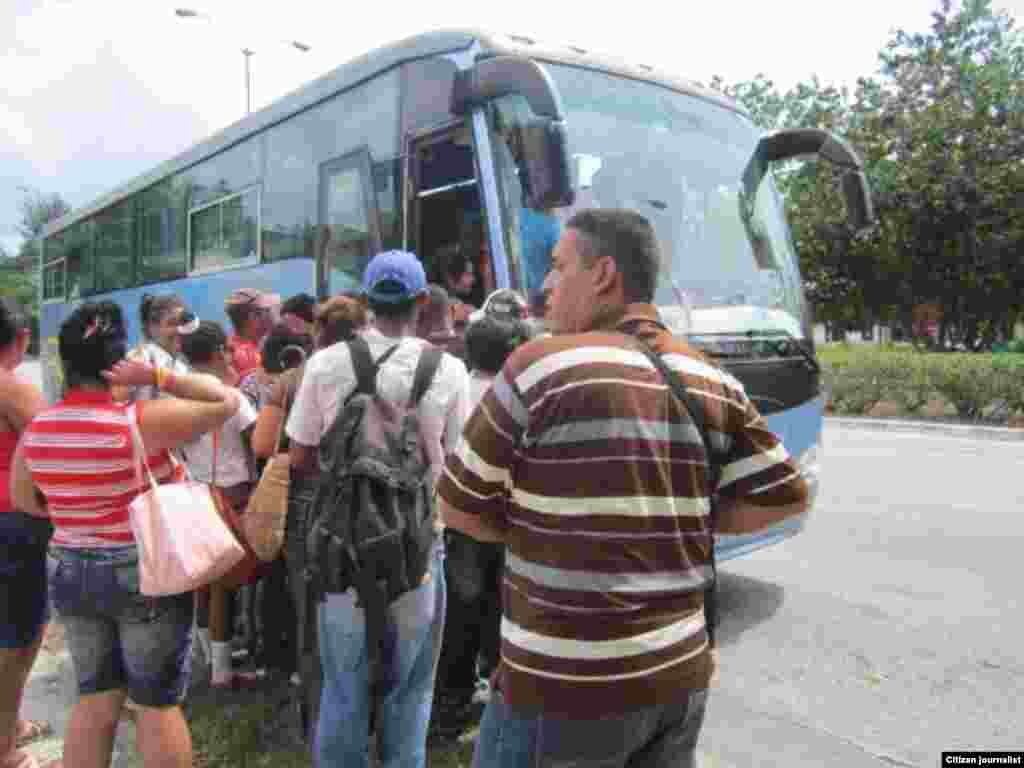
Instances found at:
x=182 y=540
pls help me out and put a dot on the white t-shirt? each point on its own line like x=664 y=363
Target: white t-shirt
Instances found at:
x=479 y=383
x=233 y=462
x=330 y=379
x=152 y=353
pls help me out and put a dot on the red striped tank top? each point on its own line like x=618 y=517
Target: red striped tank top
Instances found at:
x=82 y=459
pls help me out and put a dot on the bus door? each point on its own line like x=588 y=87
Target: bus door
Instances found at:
x=446 y=217
x=349 y=232
x=524 y=163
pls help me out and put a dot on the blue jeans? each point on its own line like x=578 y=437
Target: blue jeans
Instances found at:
x=118 y=638
x=660 y=737
x=24 y=606
x=412 y=644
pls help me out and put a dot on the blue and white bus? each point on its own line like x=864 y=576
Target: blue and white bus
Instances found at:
x=398 y=147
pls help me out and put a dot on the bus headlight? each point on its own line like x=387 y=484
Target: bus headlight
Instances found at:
x=810 y=460
x=809 y=463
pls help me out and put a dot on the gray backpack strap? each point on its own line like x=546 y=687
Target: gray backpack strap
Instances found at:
x=426 y=369
x=362 y=363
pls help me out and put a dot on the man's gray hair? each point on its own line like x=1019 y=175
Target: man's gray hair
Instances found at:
x=629 y=239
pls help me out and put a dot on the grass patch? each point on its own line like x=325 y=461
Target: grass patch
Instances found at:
x=230 y=733
x=258 y=730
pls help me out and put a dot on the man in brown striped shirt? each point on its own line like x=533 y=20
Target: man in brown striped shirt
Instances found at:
x=581 y=460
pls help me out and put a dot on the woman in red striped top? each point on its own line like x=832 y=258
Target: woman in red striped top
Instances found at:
x=76 y=463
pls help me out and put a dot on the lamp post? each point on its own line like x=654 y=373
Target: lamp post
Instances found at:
x=189 y=13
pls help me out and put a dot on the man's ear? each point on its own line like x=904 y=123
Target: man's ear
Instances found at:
x=605 y=275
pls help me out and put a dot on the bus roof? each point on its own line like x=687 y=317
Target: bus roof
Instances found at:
x=367 y=66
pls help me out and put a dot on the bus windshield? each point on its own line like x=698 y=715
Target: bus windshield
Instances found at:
x=679 y=160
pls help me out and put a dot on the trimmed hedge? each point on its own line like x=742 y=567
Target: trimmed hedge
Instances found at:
x=981 y=387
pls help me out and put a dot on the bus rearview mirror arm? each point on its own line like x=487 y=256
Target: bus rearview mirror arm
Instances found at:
x=794 y=142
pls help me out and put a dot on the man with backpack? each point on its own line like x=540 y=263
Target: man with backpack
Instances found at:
x=596 y=457
x=378 y=414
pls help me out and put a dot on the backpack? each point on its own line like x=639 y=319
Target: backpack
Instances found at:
x=373 y=510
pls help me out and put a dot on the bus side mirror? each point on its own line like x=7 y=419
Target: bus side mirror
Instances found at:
x=794 y=142
x=858 y=200
x=545 y=162
x=543 y=146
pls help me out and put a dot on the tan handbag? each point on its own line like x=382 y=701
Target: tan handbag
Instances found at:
x=264 y=520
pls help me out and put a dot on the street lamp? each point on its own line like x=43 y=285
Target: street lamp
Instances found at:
x=189 y=13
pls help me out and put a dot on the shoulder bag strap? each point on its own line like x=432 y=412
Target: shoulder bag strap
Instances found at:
x=140 y=449
x=695 y=408
x=284 y=410
x=216 y=450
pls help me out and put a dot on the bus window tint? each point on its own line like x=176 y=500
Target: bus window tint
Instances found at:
x=678 y=160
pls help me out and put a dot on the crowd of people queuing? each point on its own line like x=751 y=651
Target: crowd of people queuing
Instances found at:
x=528 y=582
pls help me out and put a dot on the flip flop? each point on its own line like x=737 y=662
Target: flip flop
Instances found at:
x=37 y=729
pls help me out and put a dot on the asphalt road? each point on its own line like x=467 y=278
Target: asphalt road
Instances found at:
x=890 y=629
x=887 y=632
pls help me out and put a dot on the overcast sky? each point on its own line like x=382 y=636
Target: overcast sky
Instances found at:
x=94 y=92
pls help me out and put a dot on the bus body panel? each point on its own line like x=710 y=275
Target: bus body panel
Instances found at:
x=204 y=295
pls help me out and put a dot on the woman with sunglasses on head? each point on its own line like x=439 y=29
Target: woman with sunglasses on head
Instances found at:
x=77 y=464
x=24 y=609
x=160 y=318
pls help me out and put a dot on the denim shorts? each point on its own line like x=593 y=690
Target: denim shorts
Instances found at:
x=119 y=639
x=23 y=601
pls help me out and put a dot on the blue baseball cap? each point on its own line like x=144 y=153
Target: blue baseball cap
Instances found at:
x=394 y=276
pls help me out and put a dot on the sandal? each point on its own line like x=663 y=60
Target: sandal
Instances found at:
x=37 y=729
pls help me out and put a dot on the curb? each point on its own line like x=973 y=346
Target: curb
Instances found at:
x=976 y=432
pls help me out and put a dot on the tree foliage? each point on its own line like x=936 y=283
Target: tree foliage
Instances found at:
x=35 y=211
x=940 y=127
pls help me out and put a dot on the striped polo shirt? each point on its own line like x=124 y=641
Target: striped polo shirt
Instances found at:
x=82 y=459
x=600 y=479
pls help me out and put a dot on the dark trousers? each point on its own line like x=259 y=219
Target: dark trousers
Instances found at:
x=300 y=499
x=279 y=625
x=473 y=572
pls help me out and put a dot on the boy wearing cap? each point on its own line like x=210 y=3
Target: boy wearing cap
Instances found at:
x=252 y=316
x=395 y=286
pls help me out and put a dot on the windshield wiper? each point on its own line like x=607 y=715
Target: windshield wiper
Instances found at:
x=794 y=342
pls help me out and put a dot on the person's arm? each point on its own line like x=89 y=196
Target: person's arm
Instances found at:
x=305 y=426
x=271 y=419
x=24 y=495
x=739 y=516
x=458 y=409
x=20 y=401
x=124 y=394
x=245 y=422
x=264 y=436
x=760 y=484
x=200 y=405
x=473 y=489
x=473 y=526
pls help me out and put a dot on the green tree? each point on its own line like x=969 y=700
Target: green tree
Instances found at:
x=35 y=211
x=941 y=130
